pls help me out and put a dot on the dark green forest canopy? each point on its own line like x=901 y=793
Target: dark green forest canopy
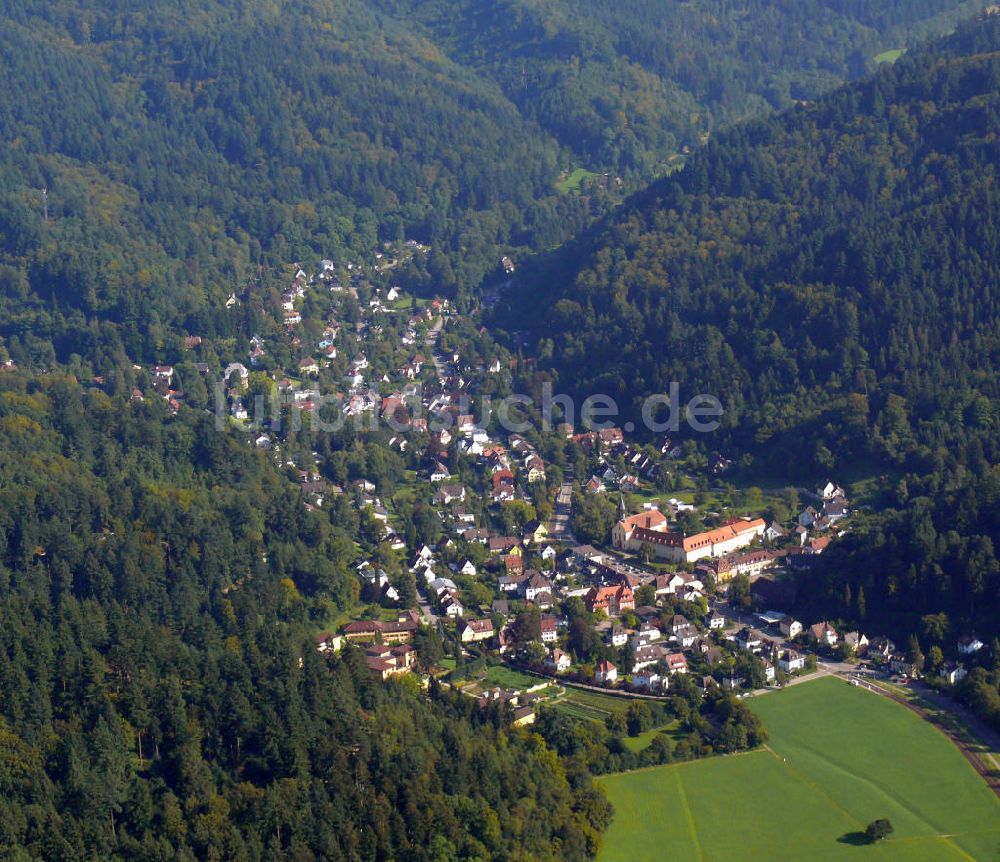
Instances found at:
x=831 y=273
x=184 y=144
x=162 y=694
x=627 y=84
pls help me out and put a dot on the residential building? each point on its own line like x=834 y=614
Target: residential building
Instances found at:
x=605 y=672
x=824 y=633
x=969 y=644
x=953 y=672
x=472 y=631
x=558 y=661
x=790 y=628
x=612 y=600
x=676 y=663
x=550 y=632
x=792 y=661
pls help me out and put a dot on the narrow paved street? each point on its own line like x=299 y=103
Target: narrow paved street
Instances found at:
x=431 y=342
x=561 y=528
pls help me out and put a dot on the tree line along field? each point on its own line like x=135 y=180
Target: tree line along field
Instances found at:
x=838 y=758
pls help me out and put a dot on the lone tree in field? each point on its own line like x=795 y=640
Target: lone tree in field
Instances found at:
x=878 y=829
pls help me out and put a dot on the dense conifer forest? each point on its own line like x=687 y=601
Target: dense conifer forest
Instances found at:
x=830 y=271
x=829 y=274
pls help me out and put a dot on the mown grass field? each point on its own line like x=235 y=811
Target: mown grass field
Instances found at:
x=838 y=758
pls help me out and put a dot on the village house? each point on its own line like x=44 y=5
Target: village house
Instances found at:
x=969 y=644
x=647 y=654
x=370 y=631
x=676 y=662
x=558 y=661
x=902 y=665
x=605 y=672
x=535 y=533
x=523 y=715
x=790 y=628
x=792 y=661
x=617 y=636
x=807 y=517
x=830 y=491
x=451 y=606
x=504 y=545
x=513 y=564
x=510 y=583
x=882 y=647
x=438 y=472
x=329 y=642
x=750 y=564
x=953 y=672
x=612 y=600
x=823 y=633
x=447 y=494
x=648 y=632
x=385 y=661
x=472 y=631
x=550 y=632
x=856 y=642
x=536 y=584
x=648 y=679
x=750 y=640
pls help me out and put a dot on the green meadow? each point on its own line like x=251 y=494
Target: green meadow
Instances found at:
x=838 y=758
x=570 y=183
x=890 y=56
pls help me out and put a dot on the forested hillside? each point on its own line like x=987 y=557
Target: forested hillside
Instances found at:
x=182 y=144
x=162 y=694
x=831 y=274
x=933 y=552
x=626 y=85
x=156 y=154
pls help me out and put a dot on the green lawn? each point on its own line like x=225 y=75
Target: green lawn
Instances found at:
x=509 y=678
x=570 y=184
x=643 y=740
x=890 y=56
x=838 y=758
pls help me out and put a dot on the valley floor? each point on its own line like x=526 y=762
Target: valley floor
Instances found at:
x=838 y=758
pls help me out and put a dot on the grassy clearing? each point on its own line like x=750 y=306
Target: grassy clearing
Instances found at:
x=839 y=757
x=643 y=740
x=570 y=184
x=890 y=56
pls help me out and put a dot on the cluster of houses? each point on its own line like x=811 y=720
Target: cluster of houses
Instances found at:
x=609 y=449
x=388 y=644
